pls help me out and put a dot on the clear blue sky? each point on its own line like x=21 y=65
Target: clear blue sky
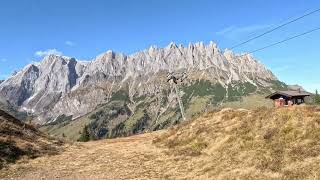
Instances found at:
x=83 y=29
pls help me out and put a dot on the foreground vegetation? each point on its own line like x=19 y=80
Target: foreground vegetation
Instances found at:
x=19 y=140
x=264 y=143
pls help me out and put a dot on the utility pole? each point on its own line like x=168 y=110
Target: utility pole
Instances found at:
x=179 y=101
x=173 y=80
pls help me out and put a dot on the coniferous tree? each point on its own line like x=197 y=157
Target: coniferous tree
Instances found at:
x=317 y=98
x=85 y=135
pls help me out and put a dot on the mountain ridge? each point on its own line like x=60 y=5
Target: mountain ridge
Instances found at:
x=60 y=85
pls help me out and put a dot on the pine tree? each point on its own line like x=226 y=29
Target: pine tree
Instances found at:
x=85 y=135
x=317 y=98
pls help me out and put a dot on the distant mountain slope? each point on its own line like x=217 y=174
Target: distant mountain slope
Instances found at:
x=61 y=86
x=12 y=110
x=18 y=139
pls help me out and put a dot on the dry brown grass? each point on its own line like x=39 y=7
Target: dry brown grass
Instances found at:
x=19 y=140
x=263 y=143
x=228 y=144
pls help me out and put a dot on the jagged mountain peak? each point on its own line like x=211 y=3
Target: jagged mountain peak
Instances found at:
x=199 y=44
x=228 y=54
x=172 y=45
x=53 y=58
x=106 y=55
x=153 y=51
x=50 y=87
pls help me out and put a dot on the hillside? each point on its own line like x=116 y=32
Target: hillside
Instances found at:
x=12 y=110
x=18 y=140
x=261 y=144
x=226 y=144
x=115 y=119
x=60 y=89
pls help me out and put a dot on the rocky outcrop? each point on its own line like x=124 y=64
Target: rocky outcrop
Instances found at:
x=62 y=85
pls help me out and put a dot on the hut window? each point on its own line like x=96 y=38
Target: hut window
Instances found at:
x=299 y=101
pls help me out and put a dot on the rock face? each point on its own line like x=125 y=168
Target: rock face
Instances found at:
x=62 y=85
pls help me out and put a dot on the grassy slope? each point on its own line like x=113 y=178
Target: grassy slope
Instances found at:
x=18 y=139
x=228 y=144
x=70 y=129
x=263 y=143
x=250 y=102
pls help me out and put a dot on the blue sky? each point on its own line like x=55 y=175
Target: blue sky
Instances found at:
x=31 y=28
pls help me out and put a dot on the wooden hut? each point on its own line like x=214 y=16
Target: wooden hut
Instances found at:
x=288 y=98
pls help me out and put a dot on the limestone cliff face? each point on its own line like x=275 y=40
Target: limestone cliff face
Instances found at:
x=62 y=85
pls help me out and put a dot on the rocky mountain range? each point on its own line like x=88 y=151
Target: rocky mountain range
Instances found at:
x=133 y=90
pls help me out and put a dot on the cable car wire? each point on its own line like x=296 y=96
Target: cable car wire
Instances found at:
x=278 y=27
